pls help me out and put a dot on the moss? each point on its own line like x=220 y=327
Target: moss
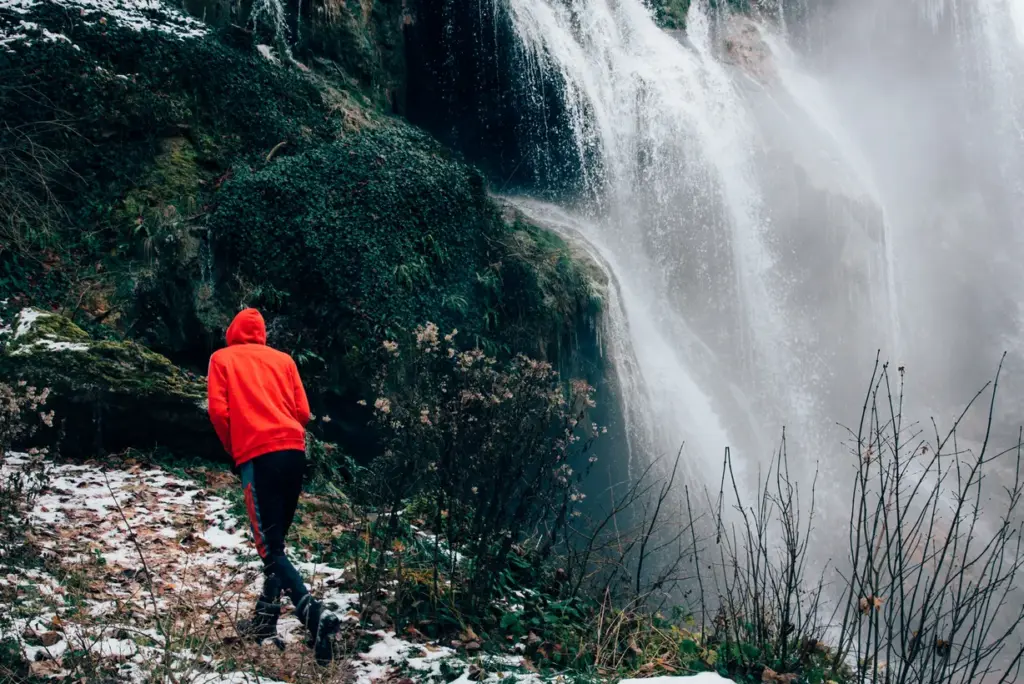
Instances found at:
x=362 y=40
x=569 y=281
x=56 y=352
x=358 y=239
x=155 y=123
x=373 y=234
x=365 y=39
x=47 y=326
x=118 y=368
x=671 y=14
x=173 y=180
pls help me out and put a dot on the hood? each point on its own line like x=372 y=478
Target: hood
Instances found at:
x=247 y=328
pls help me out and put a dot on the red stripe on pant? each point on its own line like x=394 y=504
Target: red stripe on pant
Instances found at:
x=254 y=520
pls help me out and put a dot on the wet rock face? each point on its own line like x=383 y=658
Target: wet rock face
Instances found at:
x=365 y=39
x=472 y=86
x=108 y=395
x=743 y=46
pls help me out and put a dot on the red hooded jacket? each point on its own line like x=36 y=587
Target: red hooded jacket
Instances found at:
x=256 y=400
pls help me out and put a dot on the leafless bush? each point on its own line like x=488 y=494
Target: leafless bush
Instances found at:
x=632 y=548
x=928 y=591
x=21 y=415
x=935 y=549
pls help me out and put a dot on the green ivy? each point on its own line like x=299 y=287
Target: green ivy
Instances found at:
x=367 y=236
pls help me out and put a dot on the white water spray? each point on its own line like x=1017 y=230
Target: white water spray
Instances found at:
x=735 y=212
x=774 y=215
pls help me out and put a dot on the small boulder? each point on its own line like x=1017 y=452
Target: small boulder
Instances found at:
x=745 y=47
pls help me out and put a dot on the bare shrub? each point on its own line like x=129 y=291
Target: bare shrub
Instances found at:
x=928 y=591
x=21 y=414
x=494 y=450
x=935 y=549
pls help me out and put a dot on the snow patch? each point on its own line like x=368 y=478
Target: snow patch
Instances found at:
x=701 y=678
x=12 y=35
x=7 y=39
x=199 y=563
x=80 y=519
x=48 y=343
x=233 y=678
x=27 y=318
x=391 y=652
x=138 y=15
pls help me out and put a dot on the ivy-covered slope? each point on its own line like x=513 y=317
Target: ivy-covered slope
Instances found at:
x=369 y=236
x=157 y=173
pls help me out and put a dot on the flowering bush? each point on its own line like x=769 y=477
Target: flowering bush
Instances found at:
x=497 y=449
x=21 y=413
x=21 y=480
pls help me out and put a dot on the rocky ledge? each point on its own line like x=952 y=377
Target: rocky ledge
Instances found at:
x=108 y=395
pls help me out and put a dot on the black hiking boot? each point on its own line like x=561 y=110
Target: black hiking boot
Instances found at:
x=263 y=624
x=322 y=625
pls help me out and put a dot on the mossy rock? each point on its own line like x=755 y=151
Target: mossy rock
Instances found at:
x=108 y=395
x=671 y=14
x=171 y=186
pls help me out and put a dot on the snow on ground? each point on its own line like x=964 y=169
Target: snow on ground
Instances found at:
x=148 y=567
x=139 y=15
x=702 y=678
x=25 y=30
x=423 y=662
x=183 y=573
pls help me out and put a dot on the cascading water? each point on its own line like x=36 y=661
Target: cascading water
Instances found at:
x=776 y=196
x=653 y=376
x=933 y=101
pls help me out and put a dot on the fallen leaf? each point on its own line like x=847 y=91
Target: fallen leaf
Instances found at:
x=44 y=668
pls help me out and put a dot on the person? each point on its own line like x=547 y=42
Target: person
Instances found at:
x=258 y=407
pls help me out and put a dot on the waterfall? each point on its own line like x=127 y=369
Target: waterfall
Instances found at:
x=746 y=230
x=778 y=199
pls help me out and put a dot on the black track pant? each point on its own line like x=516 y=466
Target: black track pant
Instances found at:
x=272 y=484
